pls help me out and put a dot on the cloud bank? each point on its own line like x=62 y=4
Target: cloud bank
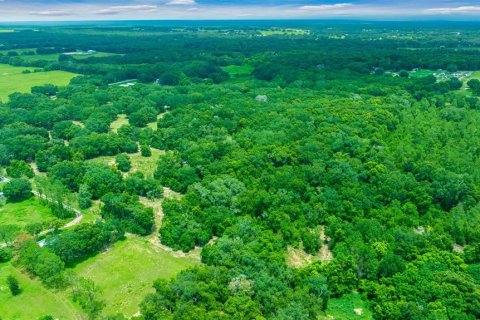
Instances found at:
x=16 y=10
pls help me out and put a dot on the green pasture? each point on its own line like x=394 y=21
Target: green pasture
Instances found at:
x=13 y=80
x=125 y=272
x=23 y=213
x=35 y=300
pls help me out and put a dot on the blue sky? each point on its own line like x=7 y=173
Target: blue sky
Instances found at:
x=34 y=10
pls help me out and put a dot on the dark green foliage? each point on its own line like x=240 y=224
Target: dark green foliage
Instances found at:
x=5 y=254
x=13 y=285
x=20 y=169
x=145 y=150
x=18 y=190
x=128 y=212
x=84 y=197
x=123 y=162
x=102 y=179
x=77 y=244
x=42 y=262
x=474 y=85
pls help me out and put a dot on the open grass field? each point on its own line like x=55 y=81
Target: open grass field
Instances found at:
x=238 y=71
x=35 y=301
x=284 y=32
x=93 y=55
x=53 y=57
x=349 y=307
x=7 y=30
x=25 y=212
x=125 y=273
x=421 y=73
x=13 y=80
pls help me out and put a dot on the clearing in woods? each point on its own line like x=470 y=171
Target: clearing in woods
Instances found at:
x=126 y=271
x=23 y=213
x=12 y=79
x=35 y=300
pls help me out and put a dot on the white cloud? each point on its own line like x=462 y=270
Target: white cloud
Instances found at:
x=327 y=7
x=181 y=3
x=51 y=13
x=456 y=10
x=127 y=9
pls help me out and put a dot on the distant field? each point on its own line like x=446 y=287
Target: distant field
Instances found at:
x=349 y=307
x=284 y=32
x=238 y=71
x=126 y=272
x=422 y=73
x=7 y=30
x=35 y=301
x=53 y=57
x=93 y=55
x=13 y=80
x=25 y=212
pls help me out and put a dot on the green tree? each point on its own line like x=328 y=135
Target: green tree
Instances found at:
x=13 y=285
x=18 y=190
x=124 y=163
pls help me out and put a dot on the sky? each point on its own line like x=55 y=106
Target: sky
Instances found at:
x=71 y=10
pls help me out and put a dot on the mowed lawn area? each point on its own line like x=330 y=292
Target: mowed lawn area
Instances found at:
x=23 y=213
x=125 y=272
x=13 y=80
x=35 y=300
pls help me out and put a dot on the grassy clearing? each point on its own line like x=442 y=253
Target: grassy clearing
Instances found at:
x=238 y=71
x=13 y=80
x=349 y=307
x=121 y=120
x=284 y=32
x=25 y=212
x=35 y=300
x=146 y=165
x=126 y=271
x=7 y=30
x=40 y=57
x=422 y=73
x=93 y=55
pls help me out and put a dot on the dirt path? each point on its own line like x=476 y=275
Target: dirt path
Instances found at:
x=74 y=222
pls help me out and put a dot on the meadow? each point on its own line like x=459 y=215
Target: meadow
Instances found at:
x=23 y=213
x=35 y=300
x=126 y=271
x=12 y=79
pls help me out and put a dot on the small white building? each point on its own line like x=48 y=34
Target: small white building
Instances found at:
x=261 y=98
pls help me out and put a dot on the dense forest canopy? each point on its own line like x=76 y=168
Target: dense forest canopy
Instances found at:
x=355 y=147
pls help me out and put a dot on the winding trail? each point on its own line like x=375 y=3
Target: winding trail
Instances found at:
x=78 y=218
x=74 y=222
